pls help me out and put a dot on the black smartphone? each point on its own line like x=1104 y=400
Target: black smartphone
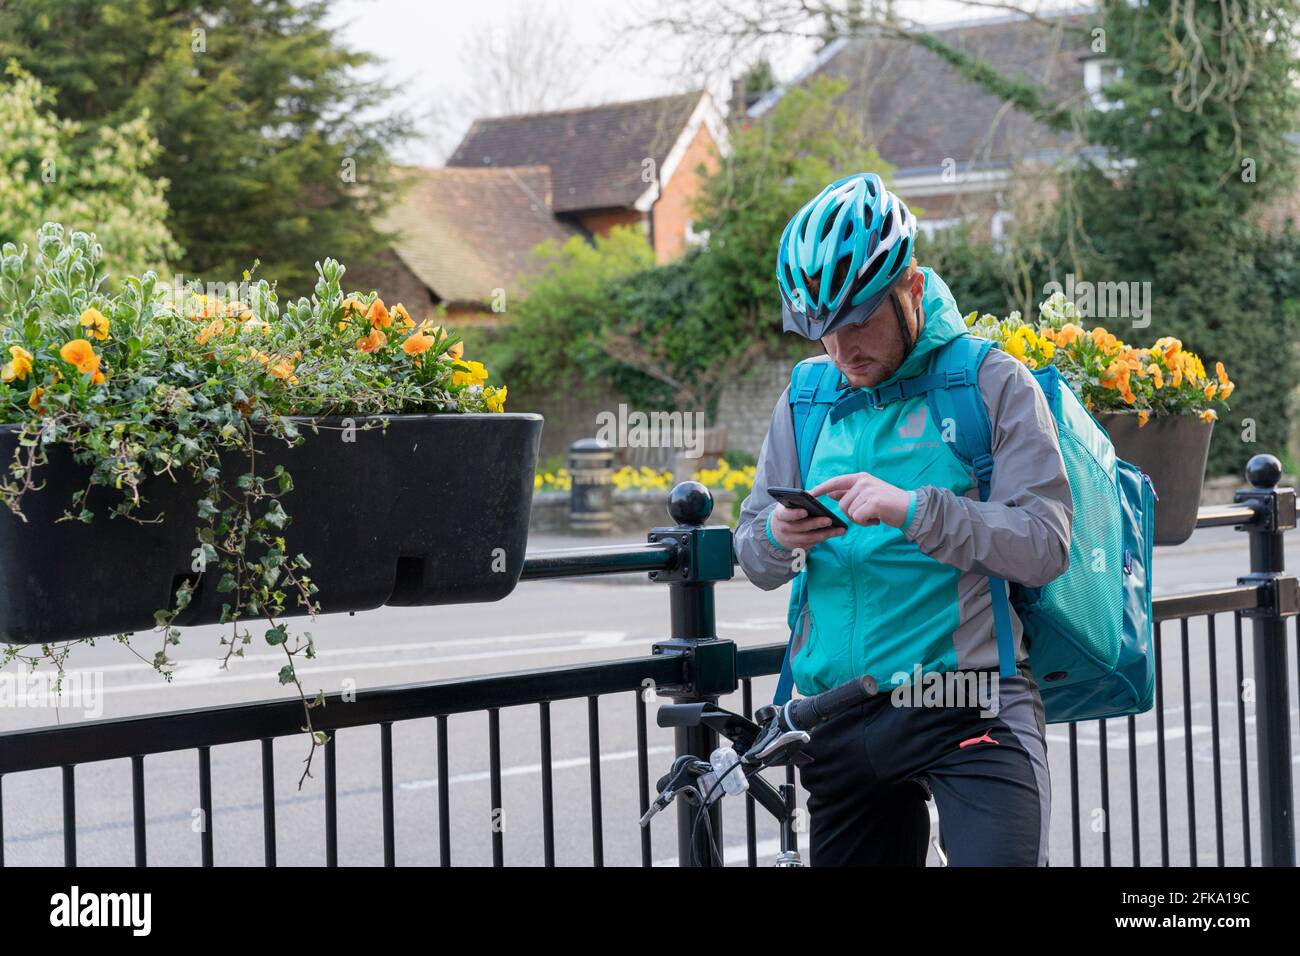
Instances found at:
x=798 y=498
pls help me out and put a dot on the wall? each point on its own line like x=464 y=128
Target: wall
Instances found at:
x=673 y=208
x=600 y=223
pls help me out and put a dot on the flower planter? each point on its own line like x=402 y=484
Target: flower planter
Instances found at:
x=432 y=510
x=1172 y=451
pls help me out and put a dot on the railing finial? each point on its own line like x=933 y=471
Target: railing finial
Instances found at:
x=690 y=503
x=1264 y=471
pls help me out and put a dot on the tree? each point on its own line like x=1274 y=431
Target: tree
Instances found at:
x=50 y=172
x=266 y=130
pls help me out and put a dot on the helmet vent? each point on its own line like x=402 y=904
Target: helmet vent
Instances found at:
x=841 y=272
x=873 y=269
x=888 y=228
x=827 y=228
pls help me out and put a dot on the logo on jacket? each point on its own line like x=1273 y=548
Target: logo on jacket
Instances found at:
x=914 y=427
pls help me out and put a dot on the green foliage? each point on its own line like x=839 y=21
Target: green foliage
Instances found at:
x=50 y=171
x=978 y=274
x=553 y=339
x=267 y=135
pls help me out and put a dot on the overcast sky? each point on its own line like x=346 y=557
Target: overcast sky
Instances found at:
x=421 y=44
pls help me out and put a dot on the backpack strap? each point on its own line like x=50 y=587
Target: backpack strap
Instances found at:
x=961 y=404
x=814 y=388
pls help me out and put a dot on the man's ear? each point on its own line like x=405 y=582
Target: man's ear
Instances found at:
x=916 y=286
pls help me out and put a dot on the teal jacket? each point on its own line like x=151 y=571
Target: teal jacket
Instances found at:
x=885 y=601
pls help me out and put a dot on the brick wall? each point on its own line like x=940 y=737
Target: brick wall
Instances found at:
x=600 y=223
x=673 y=208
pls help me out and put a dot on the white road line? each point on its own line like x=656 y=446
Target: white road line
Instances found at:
x=307 y=671
x=137 y=665
x=521 y=770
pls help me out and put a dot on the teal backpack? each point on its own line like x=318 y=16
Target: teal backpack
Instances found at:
x=1089 y=631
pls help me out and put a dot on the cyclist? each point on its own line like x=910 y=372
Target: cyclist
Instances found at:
x=903 y=592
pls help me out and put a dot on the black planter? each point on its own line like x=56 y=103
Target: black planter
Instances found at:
x=432 y=510
x=1172 y=451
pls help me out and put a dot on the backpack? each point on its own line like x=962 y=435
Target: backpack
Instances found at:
x=1088 y=632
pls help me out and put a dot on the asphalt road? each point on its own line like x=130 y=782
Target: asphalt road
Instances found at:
x=554 y=623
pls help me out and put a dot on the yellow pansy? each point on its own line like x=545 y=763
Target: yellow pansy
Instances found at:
x=82 y=354
x=95 y=323
x=19 y=366
x=476 y=375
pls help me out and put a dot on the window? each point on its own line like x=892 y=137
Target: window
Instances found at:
x=1097 y=74
x=998 y=228
x=694 y=238
x=930 y=226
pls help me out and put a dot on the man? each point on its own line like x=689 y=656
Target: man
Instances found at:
x=904 y=591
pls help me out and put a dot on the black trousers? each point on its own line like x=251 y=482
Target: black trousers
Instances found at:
x=873 y=764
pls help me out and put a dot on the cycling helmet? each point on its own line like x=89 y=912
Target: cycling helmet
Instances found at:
x=841 y=254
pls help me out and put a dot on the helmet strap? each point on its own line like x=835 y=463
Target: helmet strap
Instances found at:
x=908 y=342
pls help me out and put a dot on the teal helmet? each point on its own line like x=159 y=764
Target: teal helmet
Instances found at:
x=851 y=244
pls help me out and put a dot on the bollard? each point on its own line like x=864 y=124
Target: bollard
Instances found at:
x=1274 y=514
x=591 y=469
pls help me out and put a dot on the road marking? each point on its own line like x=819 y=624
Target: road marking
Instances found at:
x=522 y=770
x=308 y=671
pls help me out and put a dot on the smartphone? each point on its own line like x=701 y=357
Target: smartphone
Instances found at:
x=798 y=498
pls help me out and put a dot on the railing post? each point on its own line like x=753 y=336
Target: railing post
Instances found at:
x=1274 y=515
x=704 y=555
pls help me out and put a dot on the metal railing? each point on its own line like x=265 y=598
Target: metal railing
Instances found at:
x=693 y=663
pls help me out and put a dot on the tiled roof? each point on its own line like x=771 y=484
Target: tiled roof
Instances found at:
x=466 y=232
x=917 y=110
x=596 y=154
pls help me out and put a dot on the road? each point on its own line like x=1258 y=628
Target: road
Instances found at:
x=548 y=624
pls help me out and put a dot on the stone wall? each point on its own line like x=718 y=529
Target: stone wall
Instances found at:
x=745 y=409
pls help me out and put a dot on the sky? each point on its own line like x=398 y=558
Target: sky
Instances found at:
x=421 y=46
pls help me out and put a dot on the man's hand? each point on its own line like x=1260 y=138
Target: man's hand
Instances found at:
x=794 y=529
x=865 y=499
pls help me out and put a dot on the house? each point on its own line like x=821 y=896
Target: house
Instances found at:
x=960 y=153
x=462 y=239
x=465 y=233
x=631 y=163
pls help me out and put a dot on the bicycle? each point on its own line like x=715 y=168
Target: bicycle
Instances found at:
x=774 y=738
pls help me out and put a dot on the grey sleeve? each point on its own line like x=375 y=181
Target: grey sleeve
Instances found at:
x=764 y=563
x=1022 y=533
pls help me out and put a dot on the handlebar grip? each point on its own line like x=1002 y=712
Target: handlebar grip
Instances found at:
x=808 y=712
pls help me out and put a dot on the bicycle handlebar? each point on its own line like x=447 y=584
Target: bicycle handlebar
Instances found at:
x=808 y=712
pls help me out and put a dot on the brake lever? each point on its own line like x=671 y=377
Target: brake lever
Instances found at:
x=773 y=739
x=678 y=778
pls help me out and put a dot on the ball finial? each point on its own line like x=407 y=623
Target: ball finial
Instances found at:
x=690 y=503
x=1263 y=471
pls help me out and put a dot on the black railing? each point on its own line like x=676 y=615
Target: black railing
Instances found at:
x=693 y=663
